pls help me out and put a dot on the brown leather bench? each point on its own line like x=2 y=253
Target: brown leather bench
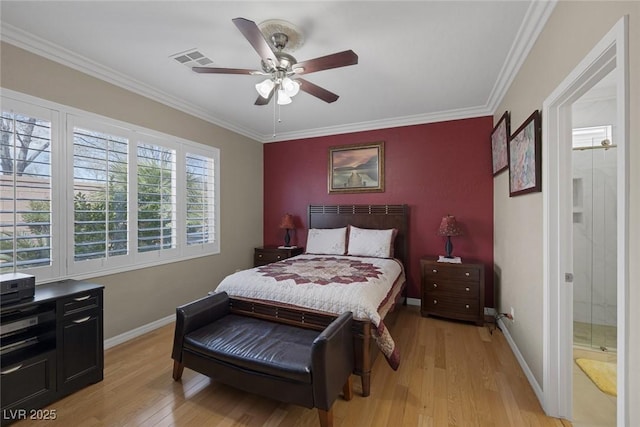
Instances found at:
x=276 y=360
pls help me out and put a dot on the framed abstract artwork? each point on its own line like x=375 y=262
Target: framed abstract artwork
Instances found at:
x=356 y=168
x=525 y=157
x=499 y=140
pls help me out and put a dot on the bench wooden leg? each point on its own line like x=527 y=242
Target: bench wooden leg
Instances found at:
x=347 y=390
x=326 y=417
x=177 y=370
x=366 y=384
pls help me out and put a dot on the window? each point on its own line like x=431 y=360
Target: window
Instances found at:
x=200 y=227
x=26 y=188
x=156 y=198
x=99 y=196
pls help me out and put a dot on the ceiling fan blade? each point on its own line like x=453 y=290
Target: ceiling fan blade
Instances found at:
x=317 y=91
x=265 y=101
x=340 y=59
x=252 y=33
x=214 y=70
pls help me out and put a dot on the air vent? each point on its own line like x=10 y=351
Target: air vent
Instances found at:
x=192 y=58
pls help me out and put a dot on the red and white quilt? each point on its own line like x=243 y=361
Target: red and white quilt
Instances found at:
x=334 y=284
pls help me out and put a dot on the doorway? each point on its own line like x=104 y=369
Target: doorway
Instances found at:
x=594 y=161
x=608 y=59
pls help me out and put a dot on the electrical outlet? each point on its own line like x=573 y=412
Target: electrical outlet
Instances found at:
x=513 y=315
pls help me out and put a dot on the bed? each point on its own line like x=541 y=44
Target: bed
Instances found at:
x=263 y=292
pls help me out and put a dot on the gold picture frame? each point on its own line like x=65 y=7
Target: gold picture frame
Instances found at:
x=357 y=168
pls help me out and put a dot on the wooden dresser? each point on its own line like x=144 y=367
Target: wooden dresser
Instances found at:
x=268 y=254
x=455 y=291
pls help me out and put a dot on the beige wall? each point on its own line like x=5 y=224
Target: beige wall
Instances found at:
x=136 y=298
x=573 y=29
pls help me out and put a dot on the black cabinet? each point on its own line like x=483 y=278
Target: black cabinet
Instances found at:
x=50 y=346
x=81 y=341
x=28 y=384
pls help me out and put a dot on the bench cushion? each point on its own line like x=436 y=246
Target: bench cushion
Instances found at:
x=258 y=345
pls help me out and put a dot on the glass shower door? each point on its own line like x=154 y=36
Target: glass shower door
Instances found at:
x=594 y=238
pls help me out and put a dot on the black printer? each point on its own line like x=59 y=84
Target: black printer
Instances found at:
x=15 y=287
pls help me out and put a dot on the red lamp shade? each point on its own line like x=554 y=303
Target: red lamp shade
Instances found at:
x=449 y=226
x=287 y=222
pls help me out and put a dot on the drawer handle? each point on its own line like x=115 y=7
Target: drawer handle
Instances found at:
x=466 y=274
x=466 y=306
x=435 y=301
x=260 y=256
x=11 y=370
x=435 y=271
x=84 y=298
x=84 y=319
x=467 y=289
x=278 y=256
x=435 y=285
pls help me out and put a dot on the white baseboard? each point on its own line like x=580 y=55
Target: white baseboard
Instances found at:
x=134 y=333
x=490 y=311
x=413 y=301
x=523 y=364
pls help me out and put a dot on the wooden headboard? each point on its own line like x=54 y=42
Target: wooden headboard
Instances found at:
x=366 y=216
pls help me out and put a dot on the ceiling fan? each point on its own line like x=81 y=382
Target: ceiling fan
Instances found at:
x=280 y=67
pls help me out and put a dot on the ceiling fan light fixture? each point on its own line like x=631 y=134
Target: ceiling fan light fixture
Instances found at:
x=283 y=98
x=265 y=87
x=290 y=86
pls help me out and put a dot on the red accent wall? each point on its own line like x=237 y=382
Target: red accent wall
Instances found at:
x=436 y=169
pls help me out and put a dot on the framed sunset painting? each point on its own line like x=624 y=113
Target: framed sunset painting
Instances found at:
x=356 y=168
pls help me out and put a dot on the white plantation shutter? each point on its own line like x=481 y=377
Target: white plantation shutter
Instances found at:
x=200 y=209
x=156 y=170
x=26 y=221
x=100 y=181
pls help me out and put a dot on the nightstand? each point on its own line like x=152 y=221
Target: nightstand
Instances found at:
x=455 y=291
x=268 y=254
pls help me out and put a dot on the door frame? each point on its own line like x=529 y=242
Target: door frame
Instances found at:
x=609 y=55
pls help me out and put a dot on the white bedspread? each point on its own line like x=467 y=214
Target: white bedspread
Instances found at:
x=328 y=283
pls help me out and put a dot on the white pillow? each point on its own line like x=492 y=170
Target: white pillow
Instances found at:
x=327 y=241
x=372 y=243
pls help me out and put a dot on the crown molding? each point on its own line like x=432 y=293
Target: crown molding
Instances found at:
x=59 y=54
x=534 y=21
x=419 y=119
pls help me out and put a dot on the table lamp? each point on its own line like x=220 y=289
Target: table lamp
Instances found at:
x=287 y=223
x=449 y=227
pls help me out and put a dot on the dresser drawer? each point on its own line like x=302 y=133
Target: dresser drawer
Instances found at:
x=268 y=257
x=269 y=254
x=456 y=308
x=451 y=288
x=452 y=273
x=80 y=302
x=28 y=383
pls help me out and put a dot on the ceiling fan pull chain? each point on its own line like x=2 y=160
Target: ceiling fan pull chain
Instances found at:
x=274 y=117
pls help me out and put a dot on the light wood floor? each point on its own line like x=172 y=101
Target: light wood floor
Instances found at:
x=451 y=374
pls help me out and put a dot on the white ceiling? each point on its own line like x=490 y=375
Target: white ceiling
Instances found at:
x=419 y=61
